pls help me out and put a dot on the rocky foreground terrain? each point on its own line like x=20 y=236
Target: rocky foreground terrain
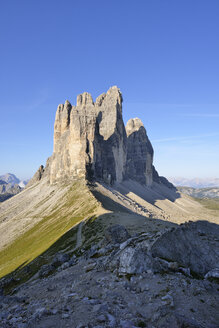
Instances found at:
x=125 y=280
x=99 y=239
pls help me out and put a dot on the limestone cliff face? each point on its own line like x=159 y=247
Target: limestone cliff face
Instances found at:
x=74 y=131
x=110 y=144
x=91 y=142
x=90 y=139
x=139 y=153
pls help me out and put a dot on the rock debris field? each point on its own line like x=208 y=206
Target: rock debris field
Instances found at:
x=125 y=281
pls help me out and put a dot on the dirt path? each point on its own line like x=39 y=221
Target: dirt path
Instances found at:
x=79 y=235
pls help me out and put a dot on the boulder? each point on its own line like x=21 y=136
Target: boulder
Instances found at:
x=193 y=245
x=135 y=260
x=116 y=234
x=192 y=249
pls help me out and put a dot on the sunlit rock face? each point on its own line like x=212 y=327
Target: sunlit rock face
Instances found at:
x=90 y=139
x=91 y=142
x=74 y=129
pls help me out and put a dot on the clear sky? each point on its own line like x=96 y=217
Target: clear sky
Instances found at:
x=162 y=54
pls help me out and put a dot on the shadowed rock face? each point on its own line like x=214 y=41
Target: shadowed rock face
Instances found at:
x=91 y=142
x=139 y=153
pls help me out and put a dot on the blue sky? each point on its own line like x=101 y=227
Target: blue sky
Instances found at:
x=164 y=56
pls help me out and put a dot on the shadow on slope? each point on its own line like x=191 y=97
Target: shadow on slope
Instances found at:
x=92 y=233
x=131 y=195
x=149 y=194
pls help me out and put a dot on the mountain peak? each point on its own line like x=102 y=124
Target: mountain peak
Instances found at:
x=10 y=178
x=91 y=142
x=134 y=124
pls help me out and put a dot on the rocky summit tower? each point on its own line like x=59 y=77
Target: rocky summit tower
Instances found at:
x=90 y=139
x=91 y=142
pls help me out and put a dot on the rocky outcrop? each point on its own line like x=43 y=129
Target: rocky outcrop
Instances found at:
x=90 y=139
x=191 y=249
x=195 y=247
x=139 y=153
x=114 y=282
x=37 y=176
x=116 y=234
x=91 y=142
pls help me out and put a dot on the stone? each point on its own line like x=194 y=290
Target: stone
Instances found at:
x=191 y=249
x=46 y=270
x=116 y=234
x=90 y=266
x=111 y=320
x=126 y=324
x=39 y=313
x=144 y=287
x=65 y=265
x=168 y=300
x=101 y=318
x=54 y=311
x=214 y=273
x=60 y=259
x=182 y=321
x=65 y=316
x=135 y=260
x=72 y=260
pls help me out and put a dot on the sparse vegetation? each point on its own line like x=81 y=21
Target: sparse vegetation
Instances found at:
x=54 y=232
x=211 y=204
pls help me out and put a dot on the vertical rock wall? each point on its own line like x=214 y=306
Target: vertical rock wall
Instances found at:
x=91 y=142
x=90 y=139
x=111 y=158
x=139 y=153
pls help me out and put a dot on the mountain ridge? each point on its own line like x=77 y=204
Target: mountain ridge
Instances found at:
x=91 y=142
x=211 y=192
x=13 y=179
x=195 y=182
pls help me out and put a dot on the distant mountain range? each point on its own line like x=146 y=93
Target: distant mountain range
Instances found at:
x=10 y=185
x=12 y=180
x=195 y=182
x=200 y=192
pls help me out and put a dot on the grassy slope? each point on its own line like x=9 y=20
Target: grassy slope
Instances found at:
x=79 y=204
x=211 y=204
